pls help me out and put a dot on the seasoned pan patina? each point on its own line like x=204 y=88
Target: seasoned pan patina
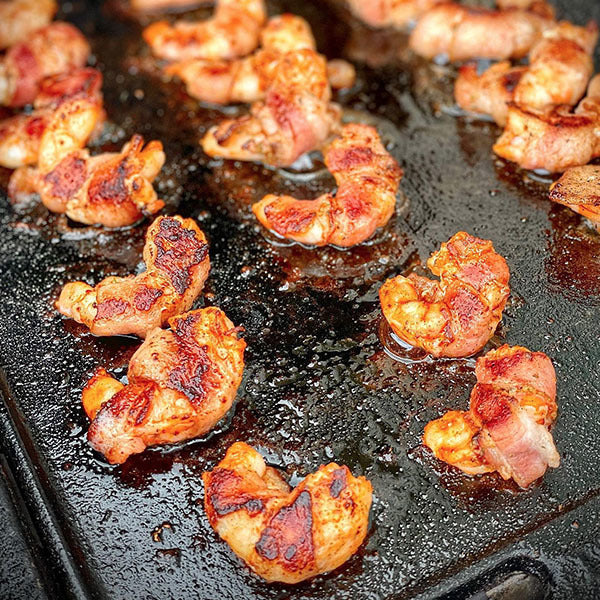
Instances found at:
x=318 y=385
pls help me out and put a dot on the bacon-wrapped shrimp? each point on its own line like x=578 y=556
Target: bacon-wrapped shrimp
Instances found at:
x=390 y=13
x=177 y=265
x=553 y=140
x=181 y=382
x=488 y=93
x=367 y=180
x=579 y=189
x=506 y=429
x=457 y=315
x=20 y=18
x=295 y=117
x=559 y=69
x=284 y=534
x=74 y=96
x=113 y=189
x=463 y=32
x=247 y=79
x=233 y=31
x=56 y=48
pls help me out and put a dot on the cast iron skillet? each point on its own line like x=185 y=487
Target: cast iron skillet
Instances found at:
x=318 y=384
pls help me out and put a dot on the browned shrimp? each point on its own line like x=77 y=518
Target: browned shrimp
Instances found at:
x=488 y=93
x=367 y=180
x=295 y=117
x=560 y=66
x=284 y=534
x=464 y=32
x=177 y=265
x=555 y=140
x=506 y=429
x=113 y=189
x=56 y=48
x=233 y=31
x=390 y=13
x=20 y=18
x=247 y=79
x=579 y=189
x=21 y=135
x=457 y=315
x=181 y=382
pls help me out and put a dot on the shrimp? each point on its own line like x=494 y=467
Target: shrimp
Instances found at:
x=390 y=13
x=367 y=180
x=463 y=32
x=507 y=426
x=295 y=117
x=20 y=18
x=247 y=79
x=177 y=265
x=457 y=315
x=233 y=31
x=284 y=534
x=560 y=66
x=579 y=189
x=74 y=96
x=553 y=140
x=488 y=93
x=181 y=382
x=56 y=48
x=113 y=189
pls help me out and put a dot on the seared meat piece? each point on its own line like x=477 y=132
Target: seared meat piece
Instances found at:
x=506 y=429
x=233 y=31
x=282 y=534
x=56 y=48
x=295 y=117
x=177 y=265
x=457 y=315
x=367 y=180
x=181 y=382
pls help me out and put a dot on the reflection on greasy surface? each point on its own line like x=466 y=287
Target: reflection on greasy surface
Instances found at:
x=318 y=384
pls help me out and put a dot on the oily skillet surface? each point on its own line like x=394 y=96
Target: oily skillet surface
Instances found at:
x=318 y=385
